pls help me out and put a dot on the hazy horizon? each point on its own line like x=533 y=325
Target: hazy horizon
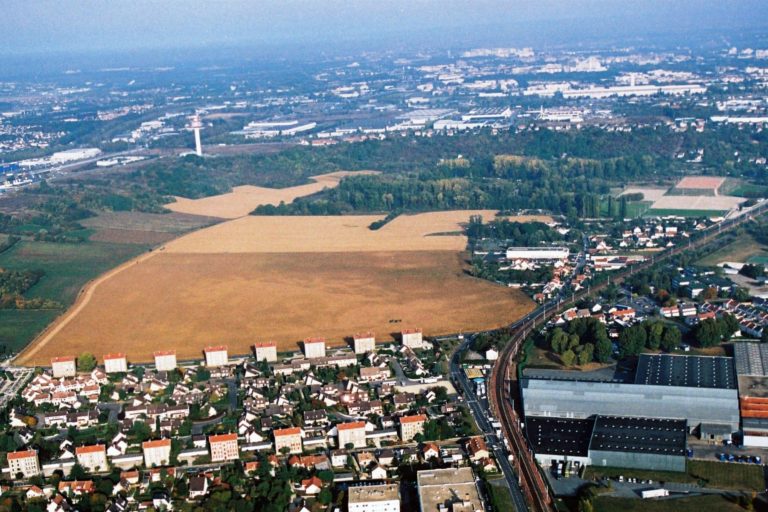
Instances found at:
x=90 y=26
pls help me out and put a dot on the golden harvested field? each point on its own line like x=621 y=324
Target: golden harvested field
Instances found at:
x=284 y=278
x=188 y=301
x=243 y=200
x=257 y=234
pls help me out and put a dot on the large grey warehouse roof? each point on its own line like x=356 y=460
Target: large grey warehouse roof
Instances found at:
x=751 y=359
x=687 y=371
x=559 y=436
x=639 y=435
x=574 y=399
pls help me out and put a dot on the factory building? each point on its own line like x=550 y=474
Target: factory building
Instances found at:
x=701 y=390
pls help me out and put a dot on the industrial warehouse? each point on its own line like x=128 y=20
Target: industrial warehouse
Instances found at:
x=635 y=422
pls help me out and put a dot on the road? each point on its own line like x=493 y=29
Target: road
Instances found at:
x=481 y=413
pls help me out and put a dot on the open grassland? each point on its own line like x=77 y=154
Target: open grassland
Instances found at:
x=712 y=474
x=244 y=199
x=188 y=301
x=685 y=504
x=142 y=228
x=665 y=212
x=67 y=268
x=741 y=250
x=256 y=234
x=716 y=203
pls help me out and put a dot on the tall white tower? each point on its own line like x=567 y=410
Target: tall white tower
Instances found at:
x=196 y=126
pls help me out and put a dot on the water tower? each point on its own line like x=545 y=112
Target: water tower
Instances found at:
x=196 y=126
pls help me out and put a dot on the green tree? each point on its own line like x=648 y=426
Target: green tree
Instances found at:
x=671 y=338
x=86 y=362
x=325 y=496
x=707 y=333
x=655 y=334
x=729 y=325
x=632 y=340
x=603 y=350
x=568 y=357
x=558 y=341
x=586 y=354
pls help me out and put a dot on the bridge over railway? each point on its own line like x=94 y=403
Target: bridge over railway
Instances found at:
x=503 y=389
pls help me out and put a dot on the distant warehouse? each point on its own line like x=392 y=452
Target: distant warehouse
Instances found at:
x=700 y=390
x=537 y=253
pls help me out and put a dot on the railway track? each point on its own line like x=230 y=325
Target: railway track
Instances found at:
x=531 y=479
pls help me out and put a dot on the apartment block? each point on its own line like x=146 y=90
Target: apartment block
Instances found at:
x=216 y=356
x=63 y=367
x=165 y=360
x=25 y=462
x=288 y=438
x=115 y=363
x=157 y=453
x=364 y=343
x=314 y=348
x=223 y=447
x=266 y=351
x=351 y=433
x=411 y=425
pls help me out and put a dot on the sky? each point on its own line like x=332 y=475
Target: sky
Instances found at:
x=59 y=26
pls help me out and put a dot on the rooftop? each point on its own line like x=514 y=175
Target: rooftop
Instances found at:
x=313 y=340
x=161 y=353
x=63 y=359
x=368 y=493
x=222 y=438
x=751 y=359
x=25 y=454
x=157 y=443
x=686 y=371
x=117 y=355
x=364 y=335
x=410 y=331
x=96 y=448
x=559 y=436
x=265 y=344
x=413 y=419
x=287 y=431
x=443 y=487
x=218 y=348
x=639 y=435
x=351 y=426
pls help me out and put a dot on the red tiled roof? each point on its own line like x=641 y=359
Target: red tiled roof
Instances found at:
x=22 y=454
x=413 y=419
x=222 y=438
x=157 y=443
x=95 y=448
x=265 y=344
x=410 y=331
x=287 y=431
x=63 y=359
x=165 y=353
x=218 y=348
x=351 y=426
x=314 y=340
x=118 y=355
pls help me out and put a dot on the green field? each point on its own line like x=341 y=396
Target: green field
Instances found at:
x=717 y=475
x=67 y=268
x=661 y=212
x=742 y=249
x=499 y=495
x=692 y=504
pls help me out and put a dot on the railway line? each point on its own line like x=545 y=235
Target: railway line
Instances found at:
x=503 y=377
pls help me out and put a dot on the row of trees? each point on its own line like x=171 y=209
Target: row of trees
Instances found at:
x=713 y=331
x=651 y=334
x=584 y=341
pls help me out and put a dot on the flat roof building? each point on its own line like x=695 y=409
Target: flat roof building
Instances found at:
x=451 y=489
x=374 y=498
x=687 y=371
x=115 y=363
x=63 y=366
x=216 y=356
x=165 y=360
x=714 y=412
x=266 y=351
x=364 y=343
x=314 y=348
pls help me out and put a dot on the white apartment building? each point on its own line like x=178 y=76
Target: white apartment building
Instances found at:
x=63 y=367
x=364 y=343
x=223 y=447
x=411 y=425
x=93 y=458
x=351 y=433
x=266 y=351
x=24 y=462
x=412 y=338
x=374 y=498
x=115 y=363
x=288 y=438
x=165 y=360
x=216 y=356
x=314 y=348
x=157 y=453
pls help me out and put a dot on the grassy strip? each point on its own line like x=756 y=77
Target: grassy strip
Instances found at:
x=718 y=475
x=692 y=504
x=501 y=498
x=664 y=212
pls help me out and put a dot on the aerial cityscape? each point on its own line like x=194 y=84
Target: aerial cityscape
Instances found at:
x=432 y=256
